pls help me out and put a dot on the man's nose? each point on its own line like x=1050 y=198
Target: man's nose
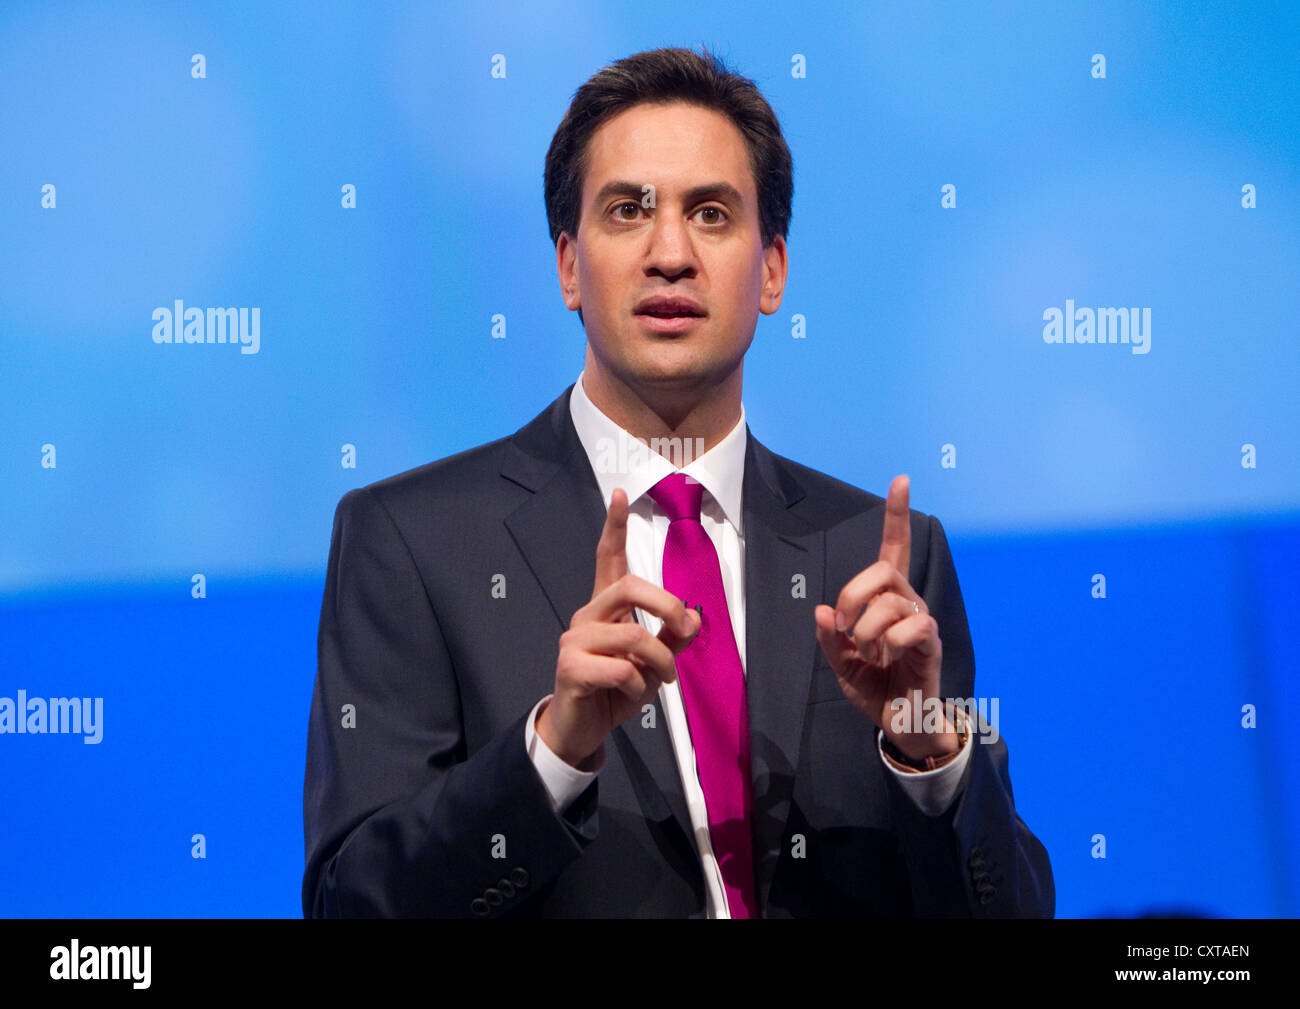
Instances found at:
x=672 y=250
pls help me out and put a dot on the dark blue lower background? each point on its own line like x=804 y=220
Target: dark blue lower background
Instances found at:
x=1122 y=716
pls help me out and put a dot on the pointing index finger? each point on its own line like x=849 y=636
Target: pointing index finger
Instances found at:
x=896 y=541
x=611 y=551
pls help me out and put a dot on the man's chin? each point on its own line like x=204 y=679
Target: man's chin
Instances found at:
x=674 y=375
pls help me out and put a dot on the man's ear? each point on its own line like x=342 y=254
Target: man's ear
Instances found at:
x=776 y=266
x=566 y=266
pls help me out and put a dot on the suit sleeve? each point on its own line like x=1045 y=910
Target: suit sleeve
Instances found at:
x=399 y=820
x=977 y=858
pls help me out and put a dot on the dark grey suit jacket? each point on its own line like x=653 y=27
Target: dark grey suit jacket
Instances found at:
x=447 y=591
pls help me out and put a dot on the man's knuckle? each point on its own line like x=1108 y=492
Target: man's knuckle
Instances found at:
x=632 y=634
x=624 y=675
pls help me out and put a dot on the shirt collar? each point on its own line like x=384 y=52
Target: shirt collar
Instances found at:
x=620 y=460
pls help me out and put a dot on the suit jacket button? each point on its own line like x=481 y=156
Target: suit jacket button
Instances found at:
x=493 y=897
x=519 y=876
x=506 y=887
x=479 y=906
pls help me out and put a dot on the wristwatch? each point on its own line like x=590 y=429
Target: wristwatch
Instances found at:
x=930 y=763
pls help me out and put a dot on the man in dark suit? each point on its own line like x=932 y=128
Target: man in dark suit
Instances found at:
x=514 y=714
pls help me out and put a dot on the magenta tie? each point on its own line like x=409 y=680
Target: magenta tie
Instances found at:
x=713 y=689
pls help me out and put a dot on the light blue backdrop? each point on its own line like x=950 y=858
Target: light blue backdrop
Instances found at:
x=924 y=329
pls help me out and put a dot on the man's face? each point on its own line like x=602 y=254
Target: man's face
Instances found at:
x=670 y=293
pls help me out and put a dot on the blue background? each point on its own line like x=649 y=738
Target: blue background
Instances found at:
x=924 y=328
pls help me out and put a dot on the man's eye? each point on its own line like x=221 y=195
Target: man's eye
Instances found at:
x=636 y=209
x=718 y=215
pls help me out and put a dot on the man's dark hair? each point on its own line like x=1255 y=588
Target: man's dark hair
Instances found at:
x=661 y=76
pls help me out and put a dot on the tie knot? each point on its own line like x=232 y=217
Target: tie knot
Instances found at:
x=679 y=496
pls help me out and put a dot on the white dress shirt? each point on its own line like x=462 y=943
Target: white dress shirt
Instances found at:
x=618 y=460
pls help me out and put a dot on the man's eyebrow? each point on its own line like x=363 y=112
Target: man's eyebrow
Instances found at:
x=724 y=192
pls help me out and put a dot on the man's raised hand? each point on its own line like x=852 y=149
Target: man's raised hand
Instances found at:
x=609 y=666
x=881 y=640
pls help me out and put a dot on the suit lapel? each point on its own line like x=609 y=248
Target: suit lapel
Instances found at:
x=784 y=566
x=557 y=530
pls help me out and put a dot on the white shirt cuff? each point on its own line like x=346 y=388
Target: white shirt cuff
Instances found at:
x=563 y=782
x=932 y=791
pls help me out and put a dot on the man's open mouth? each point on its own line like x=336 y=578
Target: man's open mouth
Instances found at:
x=670 y=307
